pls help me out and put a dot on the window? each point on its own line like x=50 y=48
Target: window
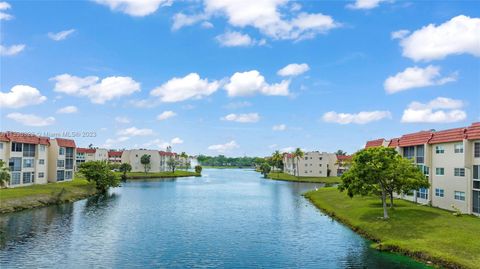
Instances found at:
x=60 y=175
x=320 y=165
x=28 y=163
x=28 y=177
x=60 y=163
x=306 y=158
x=1 y=146
x=476 y=150
x=41 y=162
x=409 y=152
x=306 y=164
x=15 y=178
x=476 y=184
x=458 y=148
x=422 y=193
x=460 y=195
x=440 y=171
x=28 y=150
x=61 y=151
x=439 y=149
x=15 y=164
x=68 y=175
x=41 y=175
x=69 y=152
x=439 y=192
x=320 y=158
x=420 y=154
x=476 y=172
x=41 y=148
x=459 y=172
x=17 y=147
x=69 y=164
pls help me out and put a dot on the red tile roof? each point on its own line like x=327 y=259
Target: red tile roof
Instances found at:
x=375 y=143
x=451 y=135
x=24 y=138
x=115 y=153
x=166 y=153
x=418 y=138
x=68 y=143
x=344 y=157
x=473 y=131
x=86 y=150
x=395 y=142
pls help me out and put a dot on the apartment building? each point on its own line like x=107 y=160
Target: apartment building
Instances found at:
x=165 y=156
x=61 y=156
x=313 y=164
x=115 y=156
x=90 y=154
x=450 y=159
x=26 y=156
x=342 y=164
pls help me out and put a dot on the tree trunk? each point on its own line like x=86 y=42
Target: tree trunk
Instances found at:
x=384 y=202
x=391 y=199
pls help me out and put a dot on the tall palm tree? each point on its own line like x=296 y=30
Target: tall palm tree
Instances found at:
x=297 y=154
x=277 y=159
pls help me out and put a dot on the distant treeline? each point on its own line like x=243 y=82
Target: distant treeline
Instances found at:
x=221 y=160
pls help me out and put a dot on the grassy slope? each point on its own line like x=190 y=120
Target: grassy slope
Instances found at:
x=140 y=175
x=287 y=177
x=19 y=198
x=427 y=233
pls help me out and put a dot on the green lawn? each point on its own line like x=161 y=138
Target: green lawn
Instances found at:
x=424 y=232
x=140 y=175
x=225 y=167
x=287 y=177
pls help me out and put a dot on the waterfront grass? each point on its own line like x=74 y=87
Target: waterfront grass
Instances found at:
x=166 y=174
x=14 y=199
x=225 y=167
x=419 y=231
x=287 y=177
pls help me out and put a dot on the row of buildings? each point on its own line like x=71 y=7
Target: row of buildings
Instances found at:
x=450 y=159
x=38 y=160
x=315 y=164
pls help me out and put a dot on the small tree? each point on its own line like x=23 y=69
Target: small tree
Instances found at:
x=100 y=173
x=198 y=169
x=297 y=154
x=340 y=153
x=184 y=158
x=145 y=161
x=4 y=174
x=114 y=166
x=277 y=160
x=172 y=164
x=265 y=168
x=125 y=168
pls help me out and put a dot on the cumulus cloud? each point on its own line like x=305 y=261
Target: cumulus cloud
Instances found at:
x=98 y=91
x=399 y=34
x=237 y=105
x=122 y=120
x=21 y=96
x=279 y=127
x=242 y=118
x=181 y=20
x=134 y=131
x=176 y=141
x=161 y=144
x=166 y=115
x=438 y=110
x=365 y=4
x=67 y=110
x=357 y=118
x=237 y=39
x=61 y=35
x=416 y=77
x=252 y=82
x=134 y=7
x=110 y=142
x=3 y=15
x=11 y=50
x=459 y=35
x=293 y=70
x=222 y=148
x=31 y=120
x=189 y=87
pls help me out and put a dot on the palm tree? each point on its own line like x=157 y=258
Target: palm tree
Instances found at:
x=4 y=175
x=277 y=159
x=297 y=154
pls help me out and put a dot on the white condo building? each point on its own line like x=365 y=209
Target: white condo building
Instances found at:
x=313 y=164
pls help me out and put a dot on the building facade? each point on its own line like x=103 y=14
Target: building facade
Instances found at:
x=313 y=164
x=115 y=156
x=61 y=156
x=450 y=159
x=90 y=154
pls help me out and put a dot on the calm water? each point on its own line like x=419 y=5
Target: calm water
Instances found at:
x=227 y=218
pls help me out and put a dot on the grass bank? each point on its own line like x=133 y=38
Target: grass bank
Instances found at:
x=287 y=177
x=15 y=199
x=142 y=175
x=425 y=233
x=227 y=167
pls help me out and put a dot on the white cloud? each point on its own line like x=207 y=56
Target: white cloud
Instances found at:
x=181 y=20
x=252 y=82
x=20 y=96
x=61 y=35
x=97 y=91
x=237 y=105
x=161 y=144
x=134 y=131
x=237 y=39
x=137 y=8
x=176 y=141
x=293 y=70
x=122 y=120
x=279 y=127
x=31 y=120
x=460 y=35
x=439 y=110
x=365 y=4
x=3 y=15
x=207 y=25
x=67 y=110
x=114 y=141
x=12 y=50
x=166 y=115
x=242 y=118
x=189 y=87
x=273 y=146
x=416 y=77
x=287 y=149
x=222 y=148
x=399 y=34
x=358 y=118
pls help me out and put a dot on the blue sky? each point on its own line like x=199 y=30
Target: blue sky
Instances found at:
x=204 y=76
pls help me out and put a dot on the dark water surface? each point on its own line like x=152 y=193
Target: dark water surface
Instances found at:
x=227 y=218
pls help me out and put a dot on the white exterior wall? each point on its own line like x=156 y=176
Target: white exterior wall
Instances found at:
x=54 y=156
x=101 y=155
x=133 y=158
x=313 y=164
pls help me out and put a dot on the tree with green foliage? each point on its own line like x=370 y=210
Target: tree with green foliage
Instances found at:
x=184 y=157
x=277 y=161
x=4 y=174
x=198 y=169
x=114 y=166
x=297 y=154
x=100 y=173
x=381 y=171
x=145 y=161
x=265 y=168
x=172 y=163
x=125 y=168
x=340 y=153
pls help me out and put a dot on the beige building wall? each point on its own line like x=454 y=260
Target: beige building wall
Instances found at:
x=134 y=156
x=313 y=164
x=54 y=164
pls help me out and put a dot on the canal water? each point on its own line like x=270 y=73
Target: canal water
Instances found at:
x=229 y=218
